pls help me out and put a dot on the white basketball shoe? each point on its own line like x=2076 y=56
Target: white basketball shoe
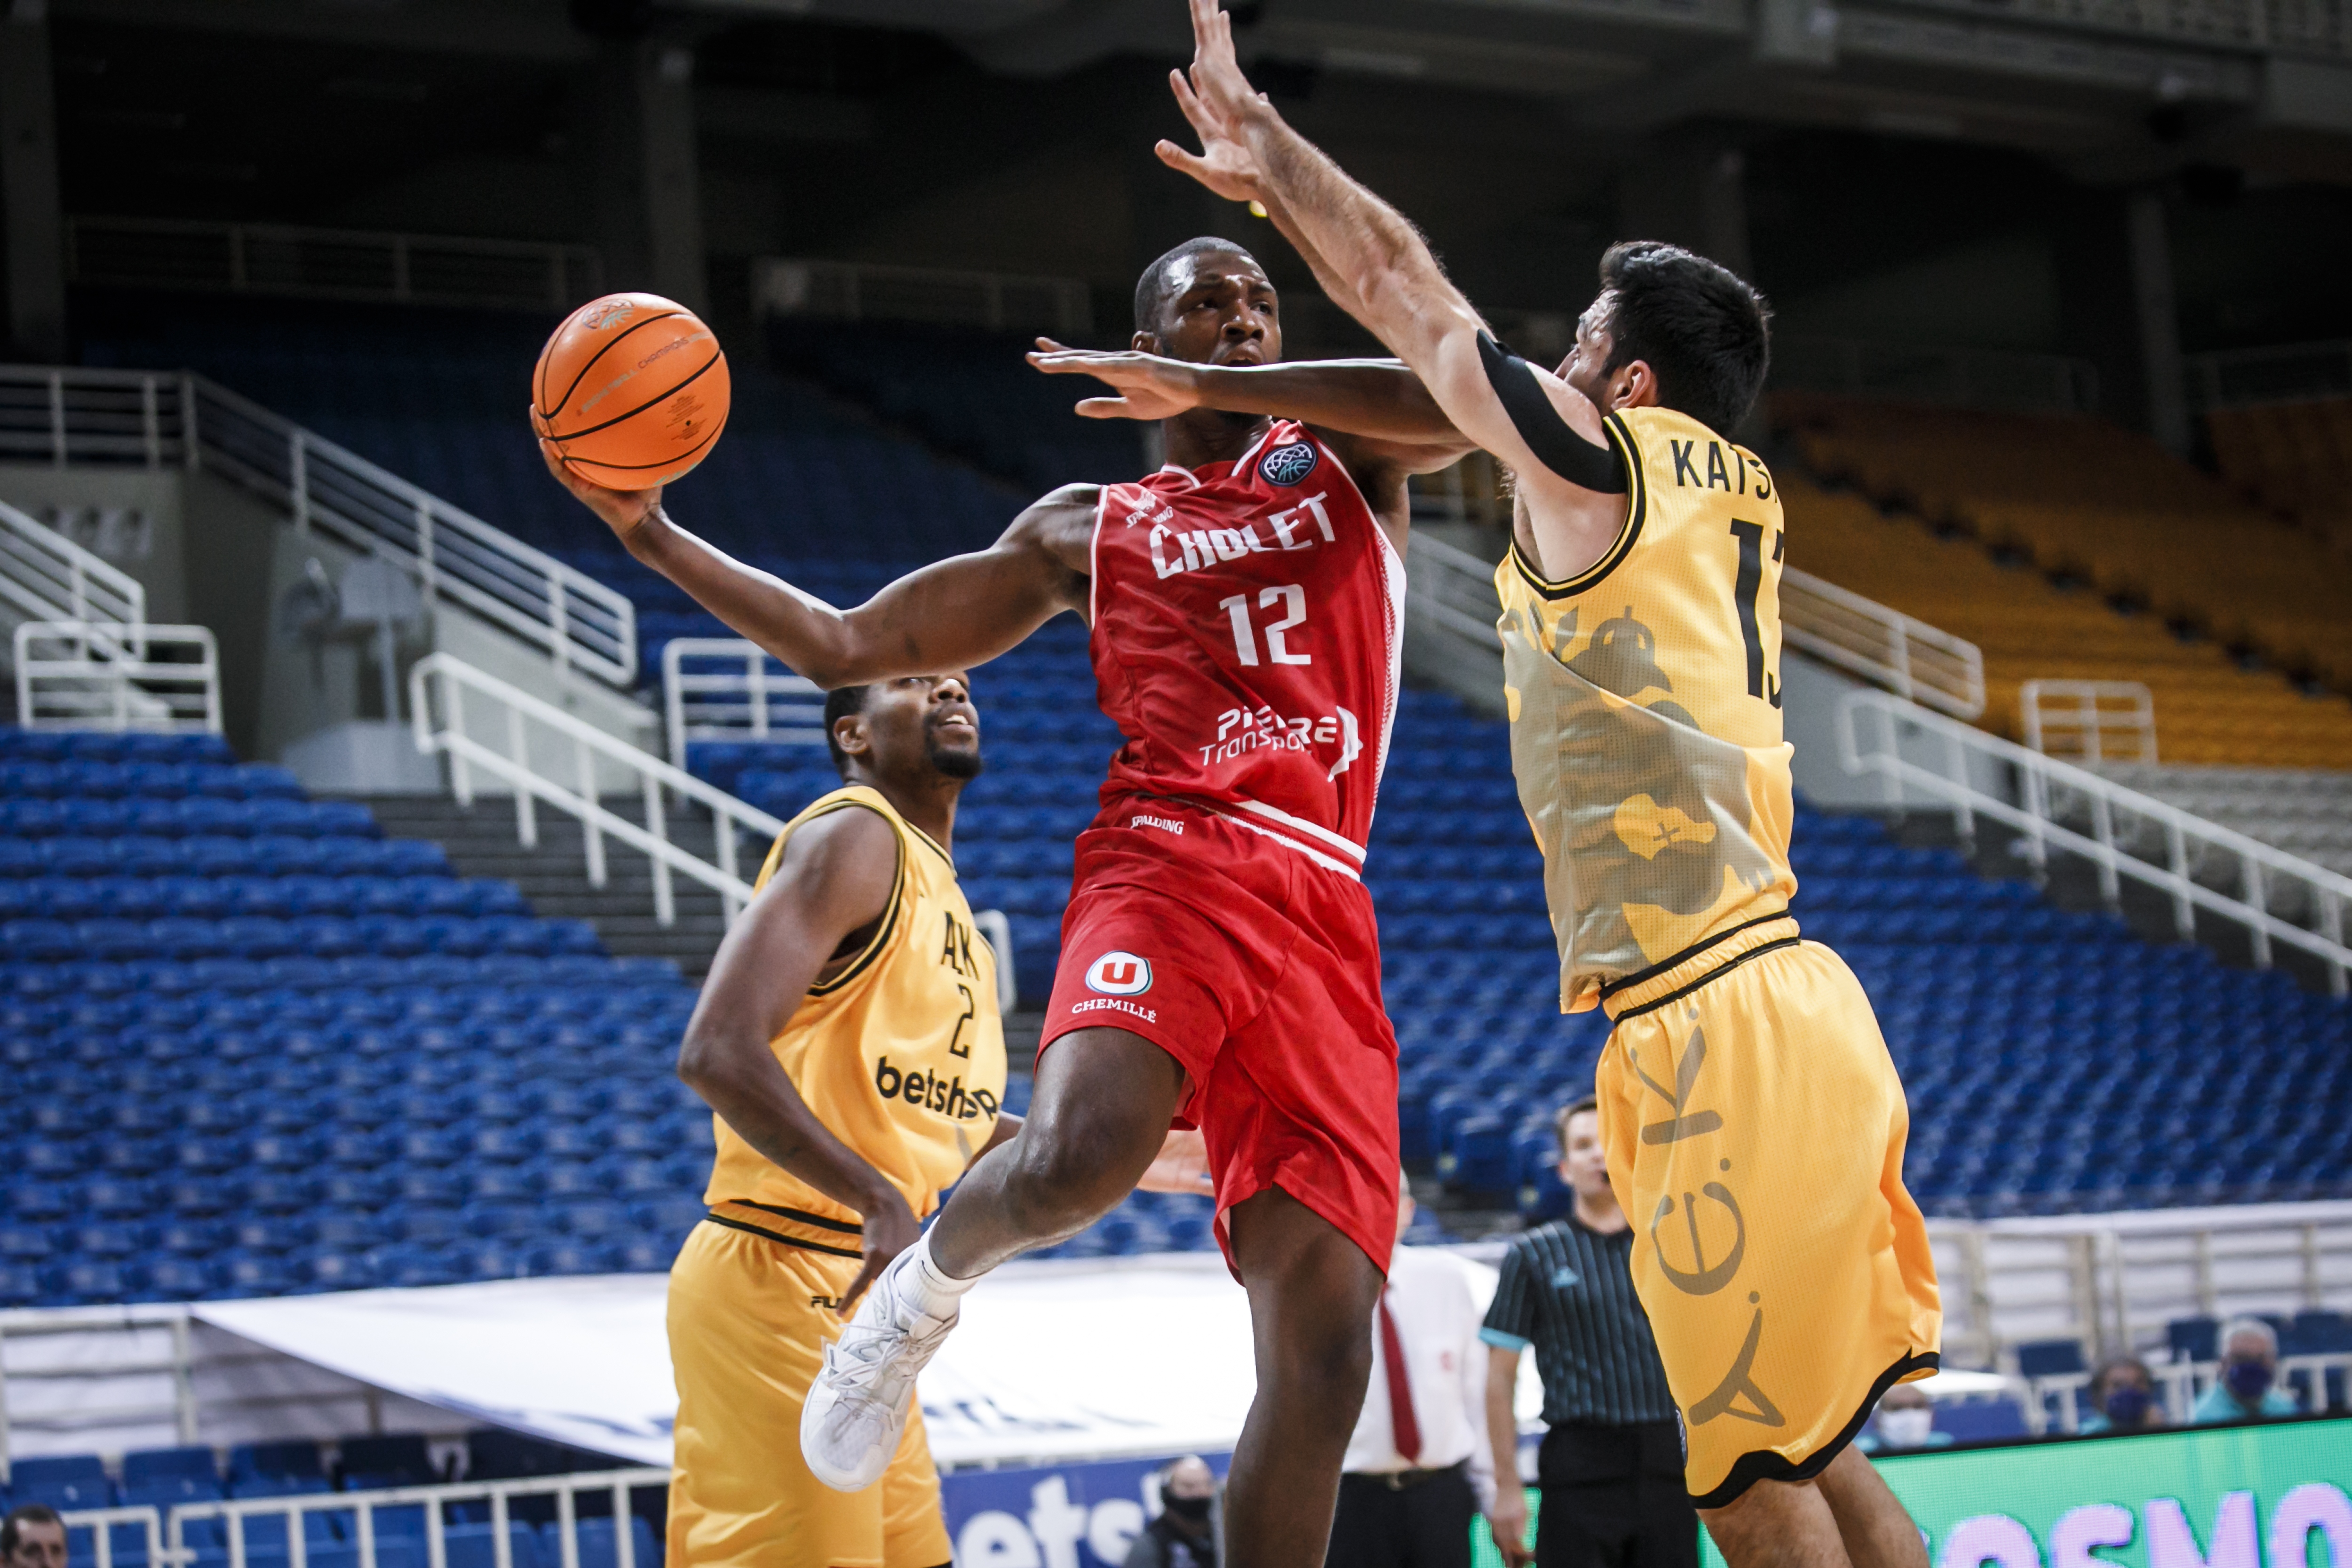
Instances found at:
x=857 y=1409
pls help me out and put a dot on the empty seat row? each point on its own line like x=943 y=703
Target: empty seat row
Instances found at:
x=371 y=971
x=111 y=746
x=218 y=855
x=78 y=817
x=147 y=898
x=317 y=937
x=158 y=781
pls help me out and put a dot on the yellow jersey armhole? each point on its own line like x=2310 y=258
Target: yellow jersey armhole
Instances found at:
x=1637 y=505
x=873 y=949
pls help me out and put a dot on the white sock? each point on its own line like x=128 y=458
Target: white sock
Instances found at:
x=929 y=1289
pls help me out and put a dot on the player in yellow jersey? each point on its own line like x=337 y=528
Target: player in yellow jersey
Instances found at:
x=849 y=1043
x=1754 y=1123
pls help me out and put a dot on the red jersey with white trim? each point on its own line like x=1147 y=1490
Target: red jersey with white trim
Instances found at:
x=1248 y=623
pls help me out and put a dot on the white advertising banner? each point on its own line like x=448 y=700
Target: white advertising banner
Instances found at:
x=1051 y=1361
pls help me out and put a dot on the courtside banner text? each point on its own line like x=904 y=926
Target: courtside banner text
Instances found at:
x=2268 y=1496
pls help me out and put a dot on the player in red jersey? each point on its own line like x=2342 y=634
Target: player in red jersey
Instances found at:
x=1221 y=965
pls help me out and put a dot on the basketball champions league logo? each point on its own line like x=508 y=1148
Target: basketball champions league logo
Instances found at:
x=1286 y=465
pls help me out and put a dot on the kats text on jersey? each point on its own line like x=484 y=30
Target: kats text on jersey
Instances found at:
x=1248 y=622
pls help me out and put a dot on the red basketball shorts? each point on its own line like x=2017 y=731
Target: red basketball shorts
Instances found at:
x=1258 y=968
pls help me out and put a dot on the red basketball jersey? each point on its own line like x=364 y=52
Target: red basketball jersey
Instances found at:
x=1248 y=622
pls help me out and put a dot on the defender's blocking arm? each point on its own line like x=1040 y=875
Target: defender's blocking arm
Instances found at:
x=1389 y=280
x=950 y=614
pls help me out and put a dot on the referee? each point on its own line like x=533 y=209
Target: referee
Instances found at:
x=1611 y=1468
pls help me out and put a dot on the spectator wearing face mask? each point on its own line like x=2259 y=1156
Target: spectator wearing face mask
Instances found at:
x=1184 y=1535
x=2123 y=1399
x=2245 y=1390
x=1906 y=1418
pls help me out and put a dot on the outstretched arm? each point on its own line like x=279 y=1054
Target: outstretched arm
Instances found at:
x=1383 y=273
x=950 y=614
x=1378 y=400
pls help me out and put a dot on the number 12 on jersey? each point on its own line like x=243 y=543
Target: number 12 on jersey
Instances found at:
x=1288 y=596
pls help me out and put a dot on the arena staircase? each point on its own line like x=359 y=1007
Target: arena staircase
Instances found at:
x=2304 y=812
x=552 y=875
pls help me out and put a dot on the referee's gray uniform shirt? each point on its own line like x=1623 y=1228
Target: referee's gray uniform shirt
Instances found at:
x=1568 y=1290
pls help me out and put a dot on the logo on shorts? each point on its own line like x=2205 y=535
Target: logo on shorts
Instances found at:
x=1119 y=974
x=1289 y=465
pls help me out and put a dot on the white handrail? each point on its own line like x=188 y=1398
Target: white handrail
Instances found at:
x=1452 y=592
x=112 y=680
x=1882 y=645
x=48 y=577
x=736 y=705
x=2262 y=871
x=2087 y=711
x=167 y=1539
x=152 y=419
x=514 y=712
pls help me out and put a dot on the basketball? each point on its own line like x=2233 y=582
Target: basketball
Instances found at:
x=633 y=391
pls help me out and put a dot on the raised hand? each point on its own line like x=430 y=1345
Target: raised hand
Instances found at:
x=1150 y=387
x=1214 y=100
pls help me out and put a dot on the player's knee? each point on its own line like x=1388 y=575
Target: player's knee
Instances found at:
x=1059 y=1184
x=1329 y=1357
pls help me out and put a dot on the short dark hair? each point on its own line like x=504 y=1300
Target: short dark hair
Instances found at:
x=2115 y=1363
x=1152 y=290
x=842 y=702
x=1703 y=329
x=1574 y=1108
x=12 y=1527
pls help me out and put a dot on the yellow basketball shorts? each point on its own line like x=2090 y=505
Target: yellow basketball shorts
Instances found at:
x=1754 y=1127
x=746 y=1325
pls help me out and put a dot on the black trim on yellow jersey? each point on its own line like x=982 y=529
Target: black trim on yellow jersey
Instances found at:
x=1763 y=1465
x=1636 y=509
x=934 y=845
x=873 y=949
x=804 y=1217
x=1675 y=961
x=783 y=1240
x=1709 y=978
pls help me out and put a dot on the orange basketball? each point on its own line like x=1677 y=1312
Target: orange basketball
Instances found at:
x=632 y=389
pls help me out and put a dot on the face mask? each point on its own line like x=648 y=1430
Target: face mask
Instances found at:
x=1192 y=1510
x=2249 y=1379
x=1907 y=1428
x=2126 y=1407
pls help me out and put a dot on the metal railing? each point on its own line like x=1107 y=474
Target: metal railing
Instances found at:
x=1884 y=646
x=2048 y=795
x=67 y=416
x=868 y=292
x=1969 y=378
x=46 y=576
x=1452 y=593
x=752 y=698
x=2075 y=718
x=2297 y=373
x=94 y=675
x=514 y=715
x=329 y=263
x=168 y=1537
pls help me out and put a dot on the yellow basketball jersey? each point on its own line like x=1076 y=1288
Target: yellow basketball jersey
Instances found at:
x=901 y=1055
x=1645 y=701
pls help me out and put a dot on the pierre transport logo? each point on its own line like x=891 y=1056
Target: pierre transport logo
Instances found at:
x=1288 y=465
x=1119 y=974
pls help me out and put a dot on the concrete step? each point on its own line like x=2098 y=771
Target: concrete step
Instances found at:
x=552 y=875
